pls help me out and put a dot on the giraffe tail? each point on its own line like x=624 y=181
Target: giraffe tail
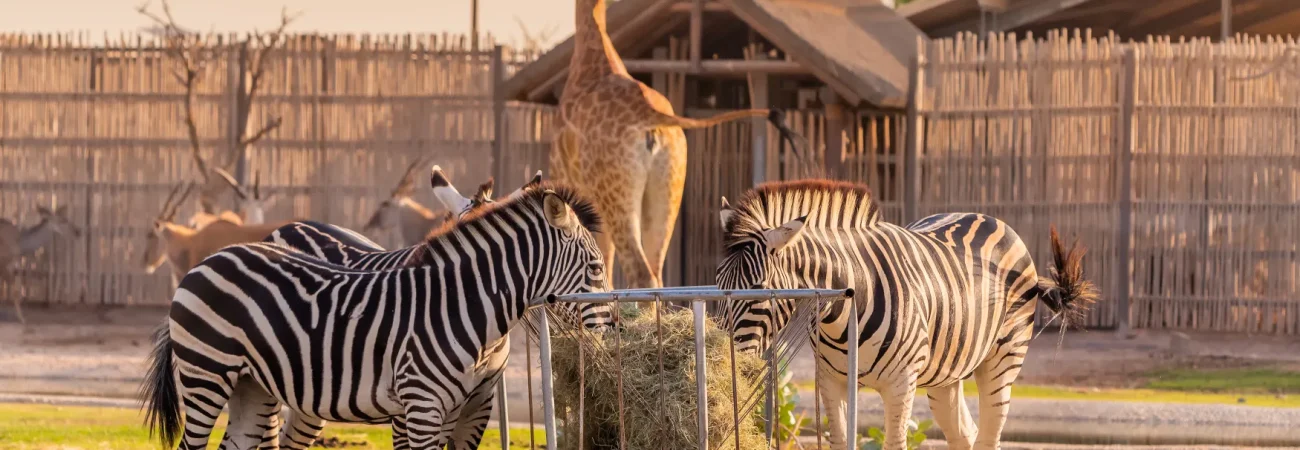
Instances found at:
x=163 y=407
x=774 y=116
x=1066 y=292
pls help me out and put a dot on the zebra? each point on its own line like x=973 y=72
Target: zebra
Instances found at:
x=345 y=247
x=398 y=346
x=944 y=298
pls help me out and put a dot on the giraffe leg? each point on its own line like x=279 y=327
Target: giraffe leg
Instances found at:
x=626 y=234
x=898 y=409
x=662 y=199
x=953 y=416
x=606 y=242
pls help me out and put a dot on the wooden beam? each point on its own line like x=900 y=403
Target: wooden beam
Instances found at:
x=1225 y=20
x=697 y=30
x=739 y=67
x=1244 y=18
x=1177 y=19
x=1022 y=14
x=709 y=6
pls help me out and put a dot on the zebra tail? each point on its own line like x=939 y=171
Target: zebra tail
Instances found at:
x=1066 y=292
x=158 y=392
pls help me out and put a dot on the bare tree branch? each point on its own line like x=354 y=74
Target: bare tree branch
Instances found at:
x=275 y=123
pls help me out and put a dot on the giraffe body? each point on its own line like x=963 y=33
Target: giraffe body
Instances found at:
x=623 y=146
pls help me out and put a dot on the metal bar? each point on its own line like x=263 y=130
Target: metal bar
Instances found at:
x=548 y=392
x=503 y=416
x=498 y=108
x=697 y=294
x=852 y=369
x=701 y=386
x=729 y=67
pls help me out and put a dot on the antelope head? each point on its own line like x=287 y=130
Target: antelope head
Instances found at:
x=251 y=201
x=399 y=202
x=164 y=228
x=57 y=221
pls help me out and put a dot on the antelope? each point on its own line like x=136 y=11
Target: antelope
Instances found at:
x=16 y=242
x=252 y=204
x=413 y=220
x=184 y=247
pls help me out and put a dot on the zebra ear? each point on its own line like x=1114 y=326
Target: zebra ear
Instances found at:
x=784 y=235
x=558 y=213
x=726 y=212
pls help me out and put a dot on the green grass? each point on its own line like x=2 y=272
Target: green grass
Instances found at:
x=1258 y=387
x=45 y=427
x=1243 y=381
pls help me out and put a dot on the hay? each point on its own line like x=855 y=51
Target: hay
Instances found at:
x=659 y=411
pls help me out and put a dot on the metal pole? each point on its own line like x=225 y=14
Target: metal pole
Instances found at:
x=548 y=393
x=503 y=417
x=701 y=392
x=686 y=295
x=852 y=347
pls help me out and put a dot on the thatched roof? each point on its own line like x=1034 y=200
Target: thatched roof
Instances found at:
x=860 y=48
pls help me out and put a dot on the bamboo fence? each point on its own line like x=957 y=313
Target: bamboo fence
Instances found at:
x=1174 y=162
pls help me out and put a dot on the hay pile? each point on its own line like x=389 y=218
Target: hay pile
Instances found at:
x=656 y=417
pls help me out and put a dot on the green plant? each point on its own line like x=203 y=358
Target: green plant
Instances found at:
x=875 y=439
x=787 y=401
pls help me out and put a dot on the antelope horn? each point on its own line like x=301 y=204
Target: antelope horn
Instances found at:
x=257 y=185
x=230 y=180
x=407 y=183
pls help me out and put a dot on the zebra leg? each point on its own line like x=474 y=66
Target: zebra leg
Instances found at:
x=254 y=422
x=953 y=416
x=203 y=396
x=474 y=416
x=301 y=431
x=399 y=433
x=834 y=392
x=994 y=377
x=898 y=409
x=424 y=422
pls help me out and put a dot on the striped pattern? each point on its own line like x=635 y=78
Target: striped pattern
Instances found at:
x=398 y=345
x=948 y=297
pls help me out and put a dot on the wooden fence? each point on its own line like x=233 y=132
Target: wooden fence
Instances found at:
x=98 y=128
x=1173 y=162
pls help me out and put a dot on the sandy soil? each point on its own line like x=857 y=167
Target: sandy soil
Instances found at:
x=101 y=352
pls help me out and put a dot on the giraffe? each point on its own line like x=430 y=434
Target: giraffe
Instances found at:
x=623 y=146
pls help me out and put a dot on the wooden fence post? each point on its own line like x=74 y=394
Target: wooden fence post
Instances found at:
x=499 y=163
x=915 y=138
x=1124 y=171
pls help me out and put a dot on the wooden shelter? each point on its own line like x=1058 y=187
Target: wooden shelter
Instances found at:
x=1126 y=18
x=859 y=49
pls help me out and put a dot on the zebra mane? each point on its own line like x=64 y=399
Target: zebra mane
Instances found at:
x=584 y=209
x=828 y=204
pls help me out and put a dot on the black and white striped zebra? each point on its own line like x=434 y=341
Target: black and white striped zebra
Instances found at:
x=337 y=344
x=945 y=298
x=254 y=420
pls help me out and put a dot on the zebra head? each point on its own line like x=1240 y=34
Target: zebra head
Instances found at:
x=753 y=260
x=573 y=263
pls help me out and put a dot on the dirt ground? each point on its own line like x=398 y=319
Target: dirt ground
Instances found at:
x=101 y=351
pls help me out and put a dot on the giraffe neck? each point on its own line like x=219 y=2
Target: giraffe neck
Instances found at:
x=594 y=56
